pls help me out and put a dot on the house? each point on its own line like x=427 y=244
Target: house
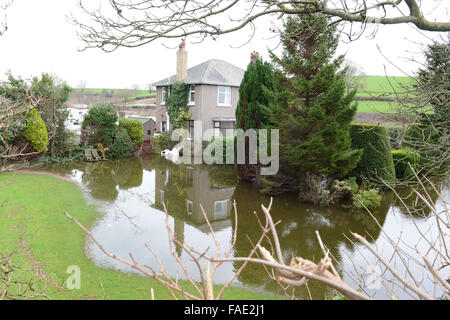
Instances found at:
x=213 y=93
x=148 y=124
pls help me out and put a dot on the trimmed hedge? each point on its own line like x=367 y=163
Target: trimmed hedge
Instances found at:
x=134 y=128
x=376 y=162
x=401 y=159
x=35 y=131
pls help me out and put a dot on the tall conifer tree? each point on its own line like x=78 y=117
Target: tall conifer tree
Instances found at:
x=311 y=106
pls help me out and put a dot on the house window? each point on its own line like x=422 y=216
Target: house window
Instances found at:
x=191 y=95
x=189 y=207
x=149 y=132
x=220 y=209
x=224 y=96
x=164 y=95
x=163 y=126
x=191 y=129
x=221 y=128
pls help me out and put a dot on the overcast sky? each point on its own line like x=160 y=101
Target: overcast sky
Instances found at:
x=40 y=39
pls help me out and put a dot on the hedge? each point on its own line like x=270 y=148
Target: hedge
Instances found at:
x=35 y=131
x=134 y=128
x=376 y=162
x=401 y=159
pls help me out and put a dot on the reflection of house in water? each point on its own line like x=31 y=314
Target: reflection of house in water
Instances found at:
x=184 y=188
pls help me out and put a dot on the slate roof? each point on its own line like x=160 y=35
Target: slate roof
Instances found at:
x=142 y=119
x=213 y=72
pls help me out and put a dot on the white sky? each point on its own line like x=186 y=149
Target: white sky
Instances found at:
x=40 y=39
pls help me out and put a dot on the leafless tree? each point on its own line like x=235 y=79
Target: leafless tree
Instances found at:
x=135 y=23
x=4 y=5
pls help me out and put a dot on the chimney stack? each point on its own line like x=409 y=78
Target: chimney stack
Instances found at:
x=254 y=56
x=182 y=61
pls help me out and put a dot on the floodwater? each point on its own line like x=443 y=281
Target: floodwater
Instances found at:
x=131 y=193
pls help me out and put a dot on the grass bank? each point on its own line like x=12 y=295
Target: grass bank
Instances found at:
x=32 y=208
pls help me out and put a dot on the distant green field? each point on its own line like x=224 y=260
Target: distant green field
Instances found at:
x=117 y=92
x=376 y=86
x=376 y=106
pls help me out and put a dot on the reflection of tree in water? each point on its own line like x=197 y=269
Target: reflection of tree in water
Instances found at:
x=297 y=232
x=100 y=180
x=128 y=173
x=223 y=177
x=411 y=203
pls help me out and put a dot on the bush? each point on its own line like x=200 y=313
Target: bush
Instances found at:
x=376 y=162
x=123 y=146
x=370 y=198
x=161 y=142
x=35 y=131
x=401 y=159
x=99 y=125
x=134 y=128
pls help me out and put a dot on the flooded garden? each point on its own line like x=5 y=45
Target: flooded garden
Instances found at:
x=131 y=192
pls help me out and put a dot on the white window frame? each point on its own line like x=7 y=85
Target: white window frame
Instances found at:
x=223 y=205
x=227 y=96
x=189 y=207
x=164 y=95
x=191 y=90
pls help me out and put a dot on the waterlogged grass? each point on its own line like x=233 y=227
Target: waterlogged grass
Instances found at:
x=32 y=209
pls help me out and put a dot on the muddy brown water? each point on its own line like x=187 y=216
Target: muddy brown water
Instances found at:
x=131 y=192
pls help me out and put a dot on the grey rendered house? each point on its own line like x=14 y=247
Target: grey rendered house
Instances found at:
x=213 y=94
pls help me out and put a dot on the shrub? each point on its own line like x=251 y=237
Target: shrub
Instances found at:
x=35 y=131
x=161 y=142
x=134 y=128
x=401 y=159
x=99 y=125
x=376 y=162
x=122 y=146
x=370 y=198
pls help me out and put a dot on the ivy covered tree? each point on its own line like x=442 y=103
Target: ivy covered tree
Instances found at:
x=177 y=105
x=312 y=108
x=253 y=108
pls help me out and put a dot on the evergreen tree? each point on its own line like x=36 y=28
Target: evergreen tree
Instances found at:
x=253 y=108
x=311 y=106
x=253 y=111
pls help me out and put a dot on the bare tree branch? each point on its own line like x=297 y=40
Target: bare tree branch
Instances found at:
x=136 y=22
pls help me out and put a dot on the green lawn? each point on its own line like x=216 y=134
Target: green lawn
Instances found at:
x=33 y=206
